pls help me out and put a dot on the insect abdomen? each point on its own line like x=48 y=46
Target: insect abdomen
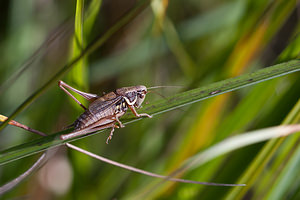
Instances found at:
x=93 y=115
x=87 y=118
x=84 y=120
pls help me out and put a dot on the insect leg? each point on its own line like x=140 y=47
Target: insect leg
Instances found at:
x=86 y=131
x=87 y=96
x=138 y=115
x=120 y=123
x=111 y=133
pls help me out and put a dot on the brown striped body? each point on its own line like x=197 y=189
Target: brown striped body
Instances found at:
x=101 y=111
x=104 y=112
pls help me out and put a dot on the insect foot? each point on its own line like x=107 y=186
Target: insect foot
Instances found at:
x=145 y=115
x=111 y=134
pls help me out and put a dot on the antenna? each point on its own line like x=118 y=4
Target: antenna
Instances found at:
x=167 y=86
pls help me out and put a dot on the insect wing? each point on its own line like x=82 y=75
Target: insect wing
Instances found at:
x=105 y=103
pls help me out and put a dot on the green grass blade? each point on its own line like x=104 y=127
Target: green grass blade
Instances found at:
x=224 y=86
x=91 y=15
x=287 y=178
x=258 y=165
x=79 y=73
x=170 y=103
x=84 y=22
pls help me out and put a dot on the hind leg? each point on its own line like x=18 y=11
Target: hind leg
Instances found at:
x=88 y=96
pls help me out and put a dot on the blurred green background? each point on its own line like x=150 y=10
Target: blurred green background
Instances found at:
x=184 y=43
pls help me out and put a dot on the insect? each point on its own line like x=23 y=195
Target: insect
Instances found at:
x=105 y=111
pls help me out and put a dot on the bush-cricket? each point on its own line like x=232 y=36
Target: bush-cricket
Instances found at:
x=105 y=111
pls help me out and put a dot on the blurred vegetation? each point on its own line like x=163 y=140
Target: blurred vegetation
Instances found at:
x=188 y=43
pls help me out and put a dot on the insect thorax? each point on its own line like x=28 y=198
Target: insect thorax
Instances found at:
x=121 y=106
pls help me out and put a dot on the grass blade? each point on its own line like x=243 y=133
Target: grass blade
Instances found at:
x=161 y=106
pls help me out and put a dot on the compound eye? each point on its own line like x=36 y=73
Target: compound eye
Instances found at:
x=141 y=96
